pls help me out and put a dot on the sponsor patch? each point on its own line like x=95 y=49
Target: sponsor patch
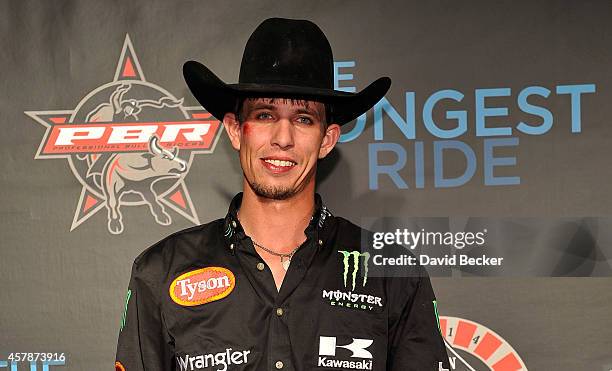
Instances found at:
x=202 y=286
x=347 y=262
x=119 y=366
x=435 y=305
x=353 y=262
x=357 y=347
x=216 y=361
x=124 y=316
x=350 y=299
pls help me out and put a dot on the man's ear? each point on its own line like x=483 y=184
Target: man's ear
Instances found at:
x=330 y=138
x=232 y=127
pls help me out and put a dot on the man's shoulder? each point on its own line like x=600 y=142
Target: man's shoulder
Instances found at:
x=180 y=245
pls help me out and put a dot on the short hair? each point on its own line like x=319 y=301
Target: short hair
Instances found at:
x=240 y=104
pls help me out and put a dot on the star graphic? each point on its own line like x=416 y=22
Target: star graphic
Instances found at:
x=86 y=140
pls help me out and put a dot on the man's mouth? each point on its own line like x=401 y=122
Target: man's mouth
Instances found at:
x=280 y=163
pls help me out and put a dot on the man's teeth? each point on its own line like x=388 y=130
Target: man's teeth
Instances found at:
x=280 y=163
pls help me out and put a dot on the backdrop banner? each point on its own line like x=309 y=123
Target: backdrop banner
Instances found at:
x=496 y=129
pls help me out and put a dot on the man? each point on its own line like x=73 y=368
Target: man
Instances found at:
x=274 y=285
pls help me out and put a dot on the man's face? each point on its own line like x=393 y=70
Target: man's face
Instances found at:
x=279 y=141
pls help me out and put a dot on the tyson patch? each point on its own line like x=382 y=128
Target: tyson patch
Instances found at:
x=202 y=286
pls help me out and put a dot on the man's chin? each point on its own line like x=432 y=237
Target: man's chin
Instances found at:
x=273 y=192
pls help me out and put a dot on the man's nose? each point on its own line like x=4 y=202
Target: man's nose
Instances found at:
x=282 y=134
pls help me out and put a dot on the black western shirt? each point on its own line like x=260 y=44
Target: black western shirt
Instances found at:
x=203 y=299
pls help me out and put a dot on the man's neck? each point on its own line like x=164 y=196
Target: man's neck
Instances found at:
x=277 y=224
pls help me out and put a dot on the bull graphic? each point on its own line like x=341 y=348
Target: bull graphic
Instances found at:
x=130 y=108
x=115 y=174
x=137 y=172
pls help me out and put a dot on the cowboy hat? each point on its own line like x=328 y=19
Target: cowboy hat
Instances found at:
x=283 y=58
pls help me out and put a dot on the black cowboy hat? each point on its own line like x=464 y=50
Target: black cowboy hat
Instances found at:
x=283 y=58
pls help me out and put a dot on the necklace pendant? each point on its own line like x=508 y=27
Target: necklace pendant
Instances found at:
x=286 y=263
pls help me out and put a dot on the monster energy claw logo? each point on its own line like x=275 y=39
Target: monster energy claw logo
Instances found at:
x=355 y=255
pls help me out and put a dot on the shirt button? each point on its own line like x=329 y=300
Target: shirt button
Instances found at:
x=279 y=311
x=234 y=223
x=320 y=242
x=279 y=365
x=231 y=246
x=260 y=266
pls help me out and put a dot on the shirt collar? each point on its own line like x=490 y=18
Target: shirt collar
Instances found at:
x=320 y=224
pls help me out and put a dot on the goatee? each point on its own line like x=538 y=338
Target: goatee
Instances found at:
x=275 y=193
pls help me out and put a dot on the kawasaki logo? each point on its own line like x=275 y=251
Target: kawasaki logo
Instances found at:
x=327 y=347
x=346 y=261
x=364 y=364
x=358 y=348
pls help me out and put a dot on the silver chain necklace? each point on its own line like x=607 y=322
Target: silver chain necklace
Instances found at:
x=288 y=256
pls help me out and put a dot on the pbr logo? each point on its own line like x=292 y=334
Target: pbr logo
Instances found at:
x=129 y=142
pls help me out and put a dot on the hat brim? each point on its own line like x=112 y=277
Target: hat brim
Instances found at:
x=218 y=98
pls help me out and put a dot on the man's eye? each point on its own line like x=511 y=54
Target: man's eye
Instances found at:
x=264 y=116
x=304 y=120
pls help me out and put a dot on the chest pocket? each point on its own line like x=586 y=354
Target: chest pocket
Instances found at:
x=346 y=329
x=349 y=337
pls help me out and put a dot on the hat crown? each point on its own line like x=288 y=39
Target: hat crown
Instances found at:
x=287 y=52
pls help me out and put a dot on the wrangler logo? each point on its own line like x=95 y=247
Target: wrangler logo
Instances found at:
x=202 y=286
x=355 y=262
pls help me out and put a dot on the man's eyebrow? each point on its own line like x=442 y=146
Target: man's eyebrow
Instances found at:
x=312 y=112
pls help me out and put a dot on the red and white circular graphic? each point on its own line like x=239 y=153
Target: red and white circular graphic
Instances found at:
x=474 y=347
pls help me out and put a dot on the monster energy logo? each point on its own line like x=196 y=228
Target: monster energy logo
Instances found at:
x=355 y=254
x=124 y=317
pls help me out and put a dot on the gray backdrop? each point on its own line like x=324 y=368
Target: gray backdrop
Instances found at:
x=63 y=290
